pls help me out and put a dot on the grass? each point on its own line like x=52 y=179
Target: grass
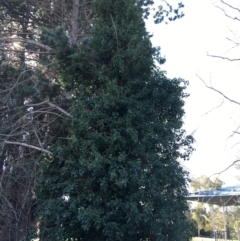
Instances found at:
x=203 y=239
x=208 y=239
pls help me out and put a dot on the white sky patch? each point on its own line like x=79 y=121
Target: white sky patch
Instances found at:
x=186 y=44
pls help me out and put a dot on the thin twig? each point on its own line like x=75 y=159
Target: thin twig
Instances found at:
x=237 y=9
x=218 y=173
x=27 y=41
x=233 y=18
x=39 y=141
x=52 y=105
x=213 y=108
x=212 y=88
x=224 y=58
x=234 y=132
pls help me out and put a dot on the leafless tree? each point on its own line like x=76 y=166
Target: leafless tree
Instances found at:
x=34 y=107
x=231 y=10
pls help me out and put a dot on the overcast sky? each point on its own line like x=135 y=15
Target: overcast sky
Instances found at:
x=186 y=44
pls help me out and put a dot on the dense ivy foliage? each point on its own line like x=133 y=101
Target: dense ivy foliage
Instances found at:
x=117 y=175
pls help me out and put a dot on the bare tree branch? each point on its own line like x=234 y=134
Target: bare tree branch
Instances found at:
x=39 y=141
x=236 y=43
x=234 y=132
x=22 y=51
x=224 y=58
x=29 y=146
x=233 y=47
x=218 y=173
x=213 y=108
x=236 y=143
x=52 y=105
x=27 y=41
x=233 y=18
x=212 y=88
x=58 y=108
x=227 y=4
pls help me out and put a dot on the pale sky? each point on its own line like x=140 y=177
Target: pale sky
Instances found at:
x=186 y=43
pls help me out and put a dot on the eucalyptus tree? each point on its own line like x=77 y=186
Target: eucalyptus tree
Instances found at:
x=204 y=182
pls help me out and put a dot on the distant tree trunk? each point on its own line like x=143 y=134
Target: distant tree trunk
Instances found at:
x=74 y=22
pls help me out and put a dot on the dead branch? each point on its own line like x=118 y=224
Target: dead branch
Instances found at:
x=219 y=92
x=27 y=41
x=52 y=105
x=29 y=146
x=39 y=141
x=233 y=47
x=23 y=51
x=59 y=108
x=213 y=108
x=218 y=173
x=233 y=18
x=224 y=58
x=236 y=43
x=230 y=6
x=234 y=132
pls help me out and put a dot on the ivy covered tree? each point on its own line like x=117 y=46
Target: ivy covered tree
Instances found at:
x=117 y=175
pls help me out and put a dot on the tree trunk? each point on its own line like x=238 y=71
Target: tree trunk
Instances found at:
x=199 y=229
x=74 y=21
